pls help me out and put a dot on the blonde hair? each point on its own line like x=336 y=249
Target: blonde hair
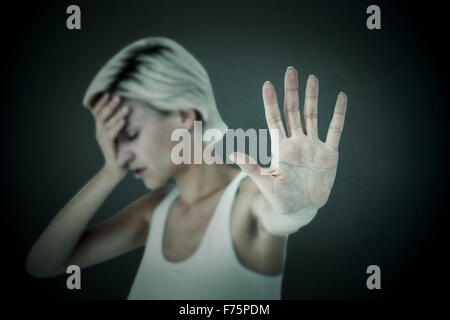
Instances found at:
x=161 y=72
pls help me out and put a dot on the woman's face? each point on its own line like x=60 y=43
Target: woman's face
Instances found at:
x=144 y=142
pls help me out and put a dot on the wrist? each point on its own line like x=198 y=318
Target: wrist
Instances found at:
x=284 y=224
x=113 y=176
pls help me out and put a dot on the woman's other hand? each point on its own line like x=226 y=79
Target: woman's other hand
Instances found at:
x=109 y=120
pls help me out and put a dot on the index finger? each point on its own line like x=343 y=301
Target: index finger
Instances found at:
x=337 y=123
x=100 y=103
x=273 y=116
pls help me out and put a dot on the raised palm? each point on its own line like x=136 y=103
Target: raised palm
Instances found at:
x=303 y=167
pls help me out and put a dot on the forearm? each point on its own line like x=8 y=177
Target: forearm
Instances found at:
x=59 y=239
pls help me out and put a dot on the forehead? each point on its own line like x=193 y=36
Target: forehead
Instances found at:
x=138 y=107
x=140 y=111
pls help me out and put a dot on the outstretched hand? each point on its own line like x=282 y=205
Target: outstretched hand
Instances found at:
x=305 y=171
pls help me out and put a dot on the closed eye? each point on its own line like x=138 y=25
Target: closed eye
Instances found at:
x=132 y=136
x=124 y=135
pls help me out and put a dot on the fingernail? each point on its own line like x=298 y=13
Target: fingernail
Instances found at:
x=266 y=83
x=290 y=67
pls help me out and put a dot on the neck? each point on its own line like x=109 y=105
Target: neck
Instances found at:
x=202 y=180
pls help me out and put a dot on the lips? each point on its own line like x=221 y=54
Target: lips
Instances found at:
x=138 y=172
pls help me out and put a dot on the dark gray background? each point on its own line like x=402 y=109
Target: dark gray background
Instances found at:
x=386 y=204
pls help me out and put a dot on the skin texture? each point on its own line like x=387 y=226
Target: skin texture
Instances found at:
x=133 y=135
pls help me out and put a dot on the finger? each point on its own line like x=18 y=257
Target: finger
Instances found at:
x=115 y=129
x=337 y=122
x=310 y=108
x=291 y=102
x=273 y=116
x=249 y=166
x=121 y=113
x=100 y=104
x=108 y=110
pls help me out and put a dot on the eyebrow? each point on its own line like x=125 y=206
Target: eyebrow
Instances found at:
x=129 y=127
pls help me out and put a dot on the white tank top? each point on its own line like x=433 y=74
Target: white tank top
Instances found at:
x=213 y=272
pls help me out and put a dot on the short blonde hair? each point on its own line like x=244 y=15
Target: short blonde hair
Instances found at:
x=161 y=72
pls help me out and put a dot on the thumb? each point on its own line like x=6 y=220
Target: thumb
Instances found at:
x=246 y=163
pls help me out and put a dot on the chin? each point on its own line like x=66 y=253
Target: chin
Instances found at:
x=154 y=183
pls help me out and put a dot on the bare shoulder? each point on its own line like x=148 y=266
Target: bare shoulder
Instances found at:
x=135 y=218
x=256 y=250
x=245 y=194
x=249 y=187
x=140 y=212
x=243 y=222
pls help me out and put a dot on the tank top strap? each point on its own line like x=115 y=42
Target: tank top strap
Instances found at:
x=157 y=225
x=220 y=232
x=226 y=201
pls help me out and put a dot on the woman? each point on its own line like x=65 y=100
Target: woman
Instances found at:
x=218 y=232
